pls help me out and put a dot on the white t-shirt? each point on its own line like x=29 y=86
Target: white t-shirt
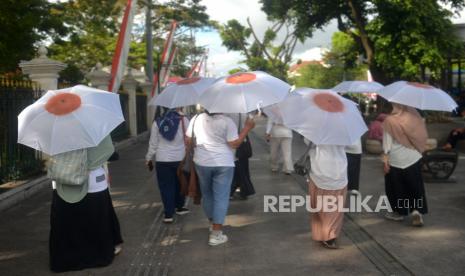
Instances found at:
x=356 y=148
x=164 y=150
x=399 y=156
x=212 y=134
x=328 y=167
x=277 y=130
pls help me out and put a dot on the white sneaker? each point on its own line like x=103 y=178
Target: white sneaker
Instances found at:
x=394 y=216
x=217 y=239
x=118 y=249
x=417 y=218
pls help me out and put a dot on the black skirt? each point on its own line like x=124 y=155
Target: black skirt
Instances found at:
x=83 y=234
x=242 y=179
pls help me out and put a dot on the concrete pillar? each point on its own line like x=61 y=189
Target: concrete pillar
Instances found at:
x=43 y=70
x=147 y=88
x=129 y=86
x=99 y=78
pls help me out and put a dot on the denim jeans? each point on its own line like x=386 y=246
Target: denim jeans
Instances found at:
x=169 y=186
x=215 y=184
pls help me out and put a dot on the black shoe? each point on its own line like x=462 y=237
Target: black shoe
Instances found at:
x=182 y=211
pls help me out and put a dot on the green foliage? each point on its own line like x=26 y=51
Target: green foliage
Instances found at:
x=398 y=38
x=318 y=76
x=23 y=24
x=236 y=70
x=264 y=54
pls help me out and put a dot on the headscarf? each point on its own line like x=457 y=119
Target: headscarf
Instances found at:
x=168 y=124
x=407 y=127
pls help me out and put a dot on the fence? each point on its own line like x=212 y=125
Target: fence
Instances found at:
x=16 y=161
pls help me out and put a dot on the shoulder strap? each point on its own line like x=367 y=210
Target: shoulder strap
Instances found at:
x=183 y=129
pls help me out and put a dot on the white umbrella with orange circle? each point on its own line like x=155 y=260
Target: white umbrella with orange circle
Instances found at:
x=418 y=95
x=323 y=117
x=244 y=92
x=182 y=93
x=69 y=119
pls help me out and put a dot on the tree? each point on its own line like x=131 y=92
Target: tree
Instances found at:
x=24 y=23
x=95 y=25
x=378 y=23
x=262 y=54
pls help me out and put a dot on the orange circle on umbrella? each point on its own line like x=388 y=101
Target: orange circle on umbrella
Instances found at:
x=328 y=102
x=63 y=103
x=188 y=81
x=420 y=85
x=241 y=78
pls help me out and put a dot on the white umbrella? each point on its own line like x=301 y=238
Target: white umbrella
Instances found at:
x=323 y=117
x=418 y=95
x=358 y=87
x=243 y=92
x=182 y=93
x=69 y=119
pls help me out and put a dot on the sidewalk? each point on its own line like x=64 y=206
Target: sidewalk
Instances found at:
x=260 y=243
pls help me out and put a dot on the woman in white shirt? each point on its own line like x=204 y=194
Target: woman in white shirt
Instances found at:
x=328 y=182
x=280 y=137
x=167 y=143
x=404 y=141
x=215 y=137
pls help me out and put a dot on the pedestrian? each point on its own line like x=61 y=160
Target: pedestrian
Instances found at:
x=168 y=144
x=328 y=181
x=354 y=160
x=242 y=180
x=84 y=228
x=280 y=137
x=404 y=141
x=214 y=137
x=455 y=135
x=375 y=130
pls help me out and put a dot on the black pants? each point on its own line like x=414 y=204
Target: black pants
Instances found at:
x=405 y=189
x=168 y=183
x=353 y=170
x=454 y=138
x=242 y=178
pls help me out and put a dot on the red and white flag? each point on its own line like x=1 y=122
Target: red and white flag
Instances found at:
x=122 y=47
x=170 y=64
x=165 y=59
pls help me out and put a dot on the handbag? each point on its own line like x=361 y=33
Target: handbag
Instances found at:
x=244 y=151
x=186 y=173
x=302 y=166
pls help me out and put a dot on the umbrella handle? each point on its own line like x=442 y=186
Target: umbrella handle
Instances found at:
x=259 y=104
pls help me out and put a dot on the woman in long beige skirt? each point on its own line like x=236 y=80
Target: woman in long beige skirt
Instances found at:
x=328 y=178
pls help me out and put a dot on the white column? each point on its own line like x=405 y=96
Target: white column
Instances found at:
x=147 y=88
x=129 y=85
x=43 y=70
x=99 y=78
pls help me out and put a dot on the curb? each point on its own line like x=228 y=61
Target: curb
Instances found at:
x=16 y=195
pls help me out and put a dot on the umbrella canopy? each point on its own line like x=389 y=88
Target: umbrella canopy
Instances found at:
x=244 y=92
x=358 y=87
x=69 y=119
x=323 y=117
x=418 y=95
x=182 y=93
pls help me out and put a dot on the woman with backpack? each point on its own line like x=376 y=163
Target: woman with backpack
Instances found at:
x=167 y=144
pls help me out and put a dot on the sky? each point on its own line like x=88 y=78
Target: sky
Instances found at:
x=220 y=61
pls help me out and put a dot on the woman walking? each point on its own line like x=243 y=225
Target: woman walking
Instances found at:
x=328 y=181
x=167 y=144
x=84 y=231
x=280 y=137
x=404 y=141
x=215 y=137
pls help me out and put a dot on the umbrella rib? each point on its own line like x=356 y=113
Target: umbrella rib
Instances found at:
x=52 y=142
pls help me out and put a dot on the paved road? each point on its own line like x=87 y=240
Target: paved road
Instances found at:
x=260 y=243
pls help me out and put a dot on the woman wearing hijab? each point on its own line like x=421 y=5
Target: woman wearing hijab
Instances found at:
x=84 y=231
x=167 y=143
x=215 y=137
x=404 y=141
x=328 y=179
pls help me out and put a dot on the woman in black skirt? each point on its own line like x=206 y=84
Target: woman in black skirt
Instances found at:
x=84 y=231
